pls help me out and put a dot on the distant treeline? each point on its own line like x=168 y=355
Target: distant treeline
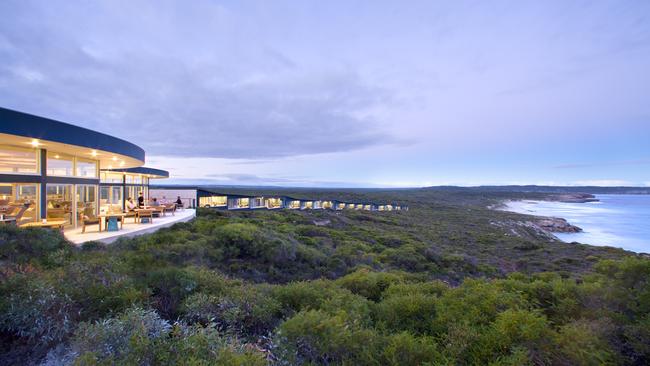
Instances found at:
x=546 y=189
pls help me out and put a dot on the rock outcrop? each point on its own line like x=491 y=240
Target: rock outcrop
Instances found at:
x=574 y=198
x=557 y=225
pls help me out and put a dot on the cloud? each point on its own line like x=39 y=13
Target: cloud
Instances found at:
x=255 y=180
x=186 y=97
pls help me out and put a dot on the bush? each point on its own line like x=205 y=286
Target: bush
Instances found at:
x=141 y=337
x=320 y=295
x=114 y=338
x=581 y=344
x=246 y=310
x=406 y=349
x=370 y=285
x=316 y=337
x=37 y=246
x=169 y=287
x=411 y=312
x=33 y=308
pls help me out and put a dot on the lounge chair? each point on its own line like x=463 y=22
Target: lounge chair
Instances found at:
x=89 y=218
x=17 y=213
x=170 y=208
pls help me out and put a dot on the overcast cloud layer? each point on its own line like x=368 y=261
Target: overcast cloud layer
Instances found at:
x=335 y=93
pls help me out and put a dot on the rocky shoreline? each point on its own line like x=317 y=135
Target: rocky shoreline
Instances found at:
x=556 y=225
x=573 y=198
x=545 y=225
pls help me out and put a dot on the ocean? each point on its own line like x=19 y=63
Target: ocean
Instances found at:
x=621 y=221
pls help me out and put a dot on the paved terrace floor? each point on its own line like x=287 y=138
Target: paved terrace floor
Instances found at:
x=130 y=228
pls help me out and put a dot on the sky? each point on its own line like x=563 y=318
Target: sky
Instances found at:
x=346 y=93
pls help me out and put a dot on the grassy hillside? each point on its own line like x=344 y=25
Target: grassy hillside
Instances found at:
x=448 y=282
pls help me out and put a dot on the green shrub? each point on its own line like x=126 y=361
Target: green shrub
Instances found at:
x=406 y=349
x=36 y=246
x=33 y=308
x=412 y=312
x=114 y=338
x=368 y=284
x=314 y=337
x=169 y=286
x=141 y=337
x=321 y=295
x=580 y=343
x=245 y=310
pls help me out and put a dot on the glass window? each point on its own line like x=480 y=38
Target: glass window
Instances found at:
x=86 y=201
x=59 y=202
x=108 y=177
x=59 y=164
x=240 y=203
x=13 y=199
x=213 y=201
x=86 y=168
x=15 y=160
x=110 y=199
x=273 y=202
x=133 y=178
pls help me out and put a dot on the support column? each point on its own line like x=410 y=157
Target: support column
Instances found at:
x=123 y=192
x=43 y=183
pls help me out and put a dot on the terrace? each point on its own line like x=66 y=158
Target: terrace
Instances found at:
x=130 y=228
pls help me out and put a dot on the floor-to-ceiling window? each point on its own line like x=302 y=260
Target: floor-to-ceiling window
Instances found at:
x=213 y=201
x=61 y=165
x=16 y=160
x=59 y=202
x=86 y=200
x=16 y=196
x=110 y=199
x=273 y=202
x=86 y=168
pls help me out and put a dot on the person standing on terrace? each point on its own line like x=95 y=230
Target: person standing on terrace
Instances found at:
x=140 y=200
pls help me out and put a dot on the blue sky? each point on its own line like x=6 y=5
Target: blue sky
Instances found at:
x=340 y=93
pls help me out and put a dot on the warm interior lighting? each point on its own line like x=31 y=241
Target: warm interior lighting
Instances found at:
x=35 y=142
x=93 y=153
x=114 y=158
x=56 y=156
x=122 y=163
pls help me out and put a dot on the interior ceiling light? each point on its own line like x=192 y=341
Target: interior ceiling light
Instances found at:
x=93 y=153
x=35 y=142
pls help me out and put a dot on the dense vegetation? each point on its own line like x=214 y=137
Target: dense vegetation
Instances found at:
x=449 y=282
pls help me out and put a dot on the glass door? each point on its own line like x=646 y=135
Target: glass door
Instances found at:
x=59 y=203
x=14 y=196
x=86 y=201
